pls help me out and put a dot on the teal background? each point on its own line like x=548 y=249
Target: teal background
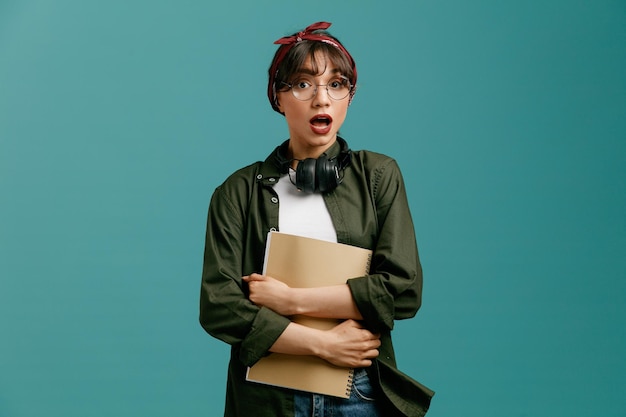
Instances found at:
x=118 y=119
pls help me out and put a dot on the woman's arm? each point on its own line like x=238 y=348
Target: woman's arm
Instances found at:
x=226 y=312
x=392 y=290
x=348 y=344
x=326 y=302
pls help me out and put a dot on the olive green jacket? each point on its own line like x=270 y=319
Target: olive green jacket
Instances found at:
x=370 y=210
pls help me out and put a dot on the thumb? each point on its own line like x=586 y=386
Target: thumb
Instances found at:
x=253 y=277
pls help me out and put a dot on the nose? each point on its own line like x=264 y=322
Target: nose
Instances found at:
x=321 y=97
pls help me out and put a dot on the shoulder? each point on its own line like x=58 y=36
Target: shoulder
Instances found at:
x=242 y=176
x=375 y=165
x=380 y=172
x=238 y=186
x=241 y=181
x=248 y=177
x=231 y=199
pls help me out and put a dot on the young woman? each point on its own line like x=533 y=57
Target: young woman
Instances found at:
x=313 y=185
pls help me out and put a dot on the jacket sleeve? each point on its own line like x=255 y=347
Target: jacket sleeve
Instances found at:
x=393 y=289
x=225 y=310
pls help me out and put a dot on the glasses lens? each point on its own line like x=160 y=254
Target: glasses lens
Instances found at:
x=338 y=89
x=303 y=90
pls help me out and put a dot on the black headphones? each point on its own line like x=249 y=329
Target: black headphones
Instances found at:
x=322 y=174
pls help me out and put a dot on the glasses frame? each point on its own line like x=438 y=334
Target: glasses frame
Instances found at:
x=350 y=85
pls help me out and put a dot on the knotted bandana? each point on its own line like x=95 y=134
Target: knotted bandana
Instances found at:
x=289 y=42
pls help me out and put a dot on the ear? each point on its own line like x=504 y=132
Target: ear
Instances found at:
x=280 y=107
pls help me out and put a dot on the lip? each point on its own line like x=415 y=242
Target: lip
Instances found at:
x=323 y=128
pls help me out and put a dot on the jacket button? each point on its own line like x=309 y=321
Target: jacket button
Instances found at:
x=274 y=200
x=259 y=176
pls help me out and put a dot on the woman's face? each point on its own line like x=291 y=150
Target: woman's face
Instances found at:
x=313 y=124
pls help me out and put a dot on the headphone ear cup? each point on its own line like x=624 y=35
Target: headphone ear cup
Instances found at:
x=305 y=175
x=323 y=174
x=326 y=174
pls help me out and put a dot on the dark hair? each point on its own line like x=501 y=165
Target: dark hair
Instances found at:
x=300 y=54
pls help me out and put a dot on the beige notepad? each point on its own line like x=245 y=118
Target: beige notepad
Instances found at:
x=302 y=262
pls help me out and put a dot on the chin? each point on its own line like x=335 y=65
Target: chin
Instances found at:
x=325 y=140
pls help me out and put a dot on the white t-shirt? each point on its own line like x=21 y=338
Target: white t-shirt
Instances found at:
x=303 y=214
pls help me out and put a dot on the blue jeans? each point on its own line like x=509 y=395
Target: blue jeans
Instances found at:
x=362 y=401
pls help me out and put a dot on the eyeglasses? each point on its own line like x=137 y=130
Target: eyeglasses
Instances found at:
x=305 y=90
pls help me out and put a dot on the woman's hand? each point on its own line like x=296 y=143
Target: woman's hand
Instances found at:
x=271 y=293
x=351 y=345
x=348 y=344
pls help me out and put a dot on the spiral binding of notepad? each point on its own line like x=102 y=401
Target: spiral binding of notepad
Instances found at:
x=369 y=264
x=350 y=379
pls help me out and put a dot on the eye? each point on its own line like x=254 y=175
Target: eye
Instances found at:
x=302 y=85
x=338 y=84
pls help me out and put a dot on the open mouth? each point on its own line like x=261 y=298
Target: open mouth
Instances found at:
x=321 y=120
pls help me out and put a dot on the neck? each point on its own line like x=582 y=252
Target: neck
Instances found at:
x=301 y=153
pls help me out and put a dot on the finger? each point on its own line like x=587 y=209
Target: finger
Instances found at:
x=367 y=335
x=371 y=354
x=353 y=323
x=371 y=344
x=253 y=277
x=365 y=363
